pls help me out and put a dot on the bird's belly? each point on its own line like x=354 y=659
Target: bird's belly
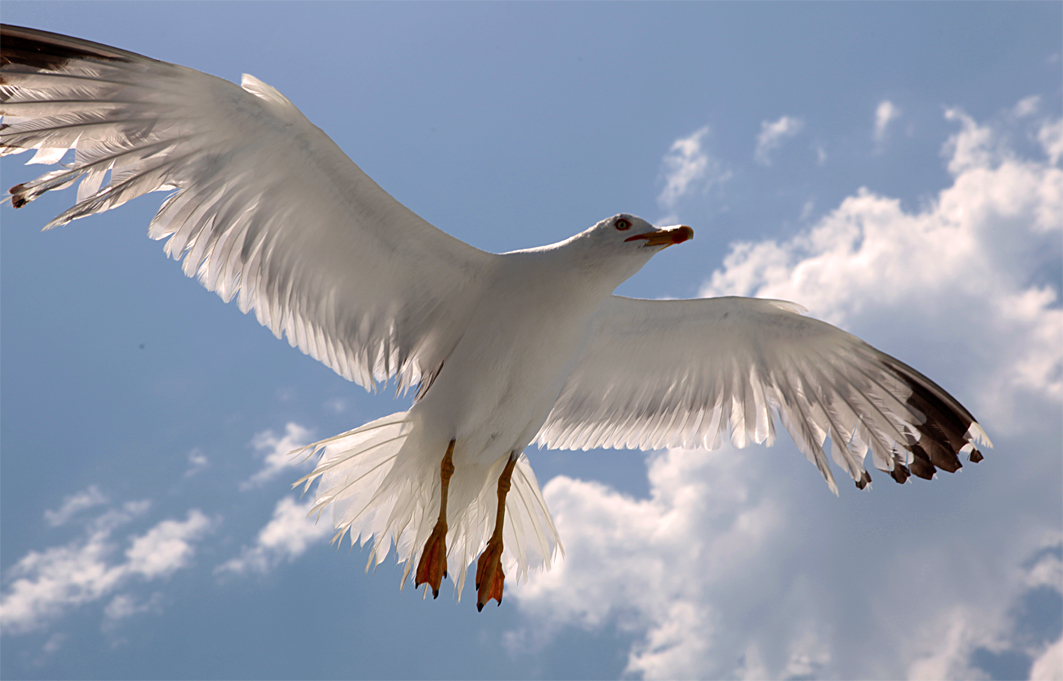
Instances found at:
x=495 y=391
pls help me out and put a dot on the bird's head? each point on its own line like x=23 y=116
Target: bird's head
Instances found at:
x=632 y=235
x=626 y=243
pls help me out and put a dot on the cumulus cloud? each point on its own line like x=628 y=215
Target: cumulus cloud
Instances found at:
x=336 y=404
x=287 y=535
x=197 y=461
x=1049 y=666
x=127 y=605
x=687 y=168
x=74 y=504
x=275 y=452
x=772 y=135
x=42 y=586
x=975 y=247
x=738 y=565
x=1051 y=137
x=1027 y=107
x=821 y=154
x=885 y=114
x=635 y=559
x=731 y=569
x=53 y=644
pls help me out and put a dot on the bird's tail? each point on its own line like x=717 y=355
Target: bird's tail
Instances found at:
x=382 y=482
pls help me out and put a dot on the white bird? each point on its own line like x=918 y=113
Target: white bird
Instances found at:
x=505 y=350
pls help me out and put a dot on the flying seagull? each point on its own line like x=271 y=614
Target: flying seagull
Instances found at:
x=502 y=350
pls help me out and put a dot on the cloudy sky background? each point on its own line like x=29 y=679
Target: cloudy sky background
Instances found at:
x=895 y=168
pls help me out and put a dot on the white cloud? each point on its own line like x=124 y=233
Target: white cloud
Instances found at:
x=336 y=404
x=636 y=559
x=957 y=633
x=197 y=461
x=287 y=535
x=885 y=114
x=1027 y=107
x=1049 y=666
x=53 y=644
x=276 y=451
x=731 y=569
x=821 y=154
x=1051 y=138
x=42 y=586
x=167 y=547
x=772 y=135
x=126 y=605
x=687 y=168
x=975 y=146
x=74 y=504
x=974 y=248
x=1046 y=571
x=738 y=565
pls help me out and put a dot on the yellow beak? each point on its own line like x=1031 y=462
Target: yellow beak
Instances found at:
x=665 y=237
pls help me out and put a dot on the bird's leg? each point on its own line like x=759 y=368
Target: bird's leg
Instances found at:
x=489 y=575
x=432 y=567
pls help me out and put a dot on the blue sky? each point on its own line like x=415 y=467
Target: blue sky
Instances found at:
x=893 y=167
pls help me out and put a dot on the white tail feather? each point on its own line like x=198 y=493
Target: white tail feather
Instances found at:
x=382 y=482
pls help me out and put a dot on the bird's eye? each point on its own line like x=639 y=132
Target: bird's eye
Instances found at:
x=623 y=224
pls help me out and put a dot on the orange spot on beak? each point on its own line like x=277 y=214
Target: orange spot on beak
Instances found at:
x=665 y=237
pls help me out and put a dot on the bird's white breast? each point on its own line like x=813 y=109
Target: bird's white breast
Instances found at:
x=498 y=384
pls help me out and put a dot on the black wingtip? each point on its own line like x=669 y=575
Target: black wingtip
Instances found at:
x=50 y=51
x=18 y=197
x=922 y=468
x=479 y=607
x=944 y=433
x=900 y=473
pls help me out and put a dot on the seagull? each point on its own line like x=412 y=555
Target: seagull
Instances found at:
x=500 y=350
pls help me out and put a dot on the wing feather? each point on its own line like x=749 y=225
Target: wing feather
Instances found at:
x=266 y=209
x=683 y=373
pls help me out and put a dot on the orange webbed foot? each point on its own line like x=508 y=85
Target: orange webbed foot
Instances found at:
x=432 y=567
x=489 y=575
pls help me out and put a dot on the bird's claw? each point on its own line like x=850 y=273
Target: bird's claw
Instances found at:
x=432 y=567
x=489 y=575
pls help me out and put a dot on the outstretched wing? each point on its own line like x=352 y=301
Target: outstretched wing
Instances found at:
x=264 y=206
x=669 y=373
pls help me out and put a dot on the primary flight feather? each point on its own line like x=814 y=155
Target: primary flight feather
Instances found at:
x=505 y=350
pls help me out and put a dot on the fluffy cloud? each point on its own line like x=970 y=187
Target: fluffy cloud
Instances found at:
x=979 y=246
x=275 y=452
x=635 y=559
x=74 y=504
x=1051 y=137
x=127 y=605
x=197 y=461
x=737 y=564
x=287 y=535
x=1049 y=666
x=885 y=114
x=42 y=586
x=1027 y=107
x=772 y=135
x=687 y=168
x=730 y=569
